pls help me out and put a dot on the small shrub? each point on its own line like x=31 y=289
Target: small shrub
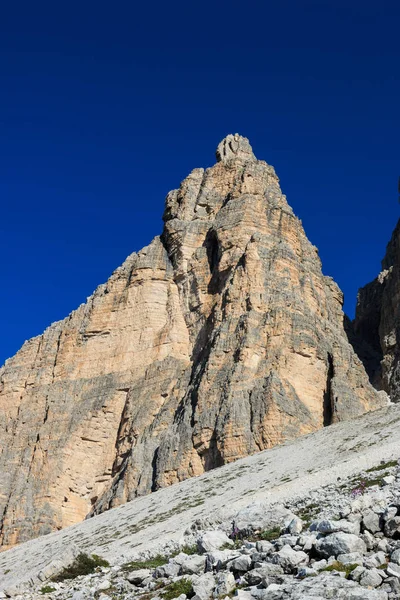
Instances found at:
x=82 y=565
x=47 y=589
x=175 y=589
x=270 y=534
x=190 y=549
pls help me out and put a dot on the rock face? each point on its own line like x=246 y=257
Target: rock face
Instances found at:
x=377 y=322
x=219 y=339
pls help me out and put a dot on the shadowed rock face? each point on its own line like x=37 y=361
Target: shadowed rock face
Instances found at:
x=377 y=320
x=219 y=339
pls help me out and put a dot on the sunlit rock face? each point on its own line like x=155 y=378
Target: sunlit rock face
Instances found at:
x=219 y=339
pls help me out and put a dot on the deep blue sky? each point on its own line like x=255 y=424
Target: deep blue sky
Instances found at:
x=105 y=106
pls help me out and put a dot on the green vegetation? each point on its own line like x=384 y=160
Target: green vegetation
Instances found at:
x=338 y=566
x=189 y=549
x=47 y=589
x=388 y=465
x=151 y=563
x=267 y=535
x=176 y=588
x=308 y=514
x=82 y=565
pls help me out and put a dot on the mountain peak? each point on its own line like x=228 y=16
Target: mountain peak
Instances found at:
x=234 y=147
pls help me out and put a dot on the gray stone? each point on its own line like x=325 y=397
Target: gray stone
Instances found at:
x=393 y=569
x=352 y=558
x=242 y=564
x=371 y=521
x=340 y=543
x=171 y=569
x=136 y=577
x=203 y=586
x=104 y=585
x=357 y=573
x=295 y=526
x=388 y=480
x=371 y=578
x=193 y=564
x=213 y=540
x=392 y=526
x=289 y=559
x=225 y=584
x=395 y=556
x=375 y=560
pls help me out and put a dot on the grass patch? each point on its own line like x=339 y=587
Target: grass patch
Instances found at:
x=151 y=563
x=267 y=535
x=190 y=549
x=175 y=589
x=47 y=589
x=338 y=566
x=388 y=465
x=82 y=565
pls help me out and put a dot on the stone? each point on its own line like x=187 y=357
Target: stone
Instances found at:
x=393 y=569
x=375 y=560
x=263 y=574
x=264 y=546
x=395 y=556
x=353 y=558
x=357 y=573
x=192 y=564
x=289 y=559
x=226 y=320
x=340 y=543
x=220 y=558
x=213 y=540
x=306 y=572
x=136 y=577
x=225 y=583
x=319 y=564
x=371 y=578
x=368 y=539
x=203 y=586
x=371 y=521
x=388 y=480
x=295 y=526
x=104 y=585
x=242 y=563
x=392 y=527
x=330 y=526
x=171 y=569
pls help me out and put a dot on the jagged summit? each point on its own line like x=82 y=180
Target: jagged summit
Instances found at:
x=219 y=339
x=234 y=147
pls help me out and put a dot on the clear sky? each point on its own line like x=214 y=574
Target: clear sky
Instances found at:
x=106 y=106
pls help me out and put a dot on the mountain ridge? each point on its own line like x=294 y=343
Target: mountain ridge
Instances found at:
x=219 y=339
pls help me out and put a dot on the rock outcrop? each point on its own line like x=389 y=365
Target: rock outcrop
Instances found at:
x=219 y=339
x=377 y=322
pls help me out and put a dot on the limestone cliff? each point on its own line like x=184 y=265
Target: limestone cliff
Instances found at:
x=377 y=320
x=219 y=339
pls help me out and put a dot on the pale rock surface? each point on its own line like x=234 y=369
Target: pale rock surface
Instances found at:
x=218 y=340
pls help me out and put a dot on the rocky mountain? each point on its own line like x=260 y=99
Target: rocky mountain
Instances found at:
x=218 y=340
x=377 y=322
